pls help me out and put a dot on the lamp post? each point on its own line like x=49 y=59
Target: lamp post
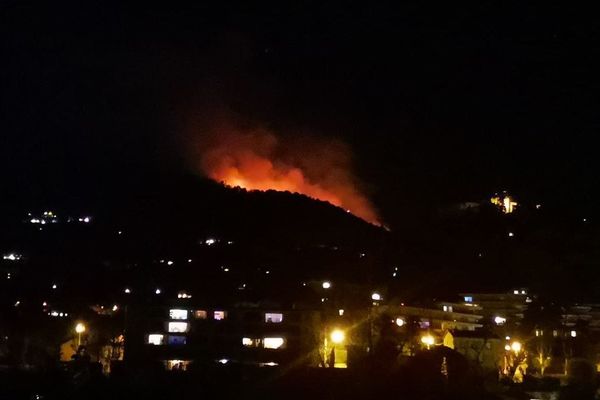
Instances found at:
x=337 y=336
x=79 y=328
x=428 y=340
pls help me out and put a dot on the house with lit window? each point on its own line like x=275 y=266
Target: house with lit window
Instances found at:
x=179 y=335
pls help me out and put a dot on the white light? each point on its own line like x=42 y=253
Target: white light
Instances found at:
x=274 y=318
x=510 y=234
x=44 y=304
x=79 y=328
x=247 y=341
x=507 y=338
x=127 y=290
x=522 y=292
x=273 y=342
x=226 y=269
x=54 y=286
x=394 y=274
x=86 y=220
x=115 y=307
x=189 y=260
x=399 y=322
x=326 y=285
x=210 y=241
x=17 y=303
x=223 y=361
x=340 y=312
x=507 y=347
x=573 y=333
x=155 y=339
x=177 y=327
x=169 y=262
x=157 y=291
x=498 y=320
x=54 y=314
x=267 y=272
x=515 y=291
x=178 y=314
x=119 y=232
x=375 y=296
x=219 y=315
x=270 y=364
x=61 y=314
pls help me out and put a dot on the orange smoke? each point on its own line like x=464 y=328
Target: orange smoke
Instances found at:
x=257 y=159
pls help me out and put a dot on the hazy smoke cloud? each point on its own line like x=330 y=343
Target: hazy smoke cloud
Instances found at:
x=258 y=159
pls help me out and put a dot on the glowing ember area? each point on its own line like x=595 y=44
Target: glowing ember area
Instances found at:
x=258 y=160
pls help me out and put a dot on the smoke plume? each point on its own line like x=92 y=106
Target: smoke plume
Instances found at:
x=258 y=159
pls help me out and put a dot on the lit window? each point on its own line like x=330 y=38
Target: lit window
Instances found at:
x=220 y=315
x=178 y=314
x=515 y=291
x=341 y=312
x=156 y=339
x=249 y=342
x=200 y=314
x=573 y=333
x=498 y=320
x=273 y=342
x=178 y=327
x=273 y=317
x=176 y=340
x=468 y=299
x=445 y=308
x=177 y=365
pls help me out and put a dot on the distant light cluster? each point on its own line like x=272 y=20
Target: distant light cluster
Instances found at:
x=505 y=202
x=12 y=257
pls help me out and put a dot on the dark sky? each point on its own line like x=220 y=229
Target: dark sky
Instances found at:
x=439 y=105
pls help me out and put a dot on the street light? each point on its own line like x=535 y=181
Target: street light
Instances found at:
x=337 y=336
x=516 y=347
x=428 y=340
x=79 y=328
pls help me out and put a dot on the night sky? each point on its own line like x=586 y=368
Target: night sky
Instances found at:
x=438 y=105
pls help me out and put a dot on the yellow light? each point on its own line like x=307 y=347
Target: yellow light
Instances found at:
x=337 y=336
x=80 y=328
x=516 y=346
x=428 y=340
x=507 y=347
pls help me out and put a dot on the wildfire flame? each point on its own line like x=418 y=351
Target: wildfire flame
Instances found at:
x=259 y=160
